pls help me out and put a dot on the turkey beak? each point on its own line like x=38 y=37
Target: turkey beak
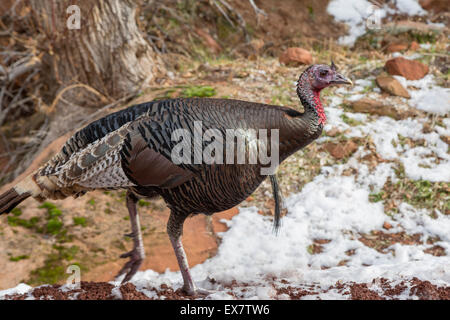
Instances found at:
x=340 y=79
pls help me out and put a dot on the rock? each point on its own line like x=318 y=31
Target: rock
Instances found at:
x=373 y=107
x=333 y=132
x=410 y=69
x=295 y=57
x=396 y=47
x=437 y=6
x=387 y=225
x=339 y=150
x=209 y=41
x=392 y=86
x=414 y=46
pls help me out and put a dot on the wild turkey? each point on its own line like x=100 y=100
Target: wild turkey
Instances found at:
x=133 y=149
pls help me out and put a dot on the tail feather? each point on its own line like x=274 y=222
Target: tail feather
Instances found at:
x=10 y=199
x=24 y=189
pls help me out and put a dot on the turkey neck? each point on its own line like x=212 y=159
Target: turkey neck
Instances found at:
x=303 y=128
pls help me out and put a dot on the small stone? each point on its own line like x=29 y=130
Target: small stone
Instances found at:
x=295 y=57
x=339 y=150
x=387 y=225
x=410 y=69
x=436 y=6
x=333 y=132
x=392 y=86
x=414 y=46
x=396 y=47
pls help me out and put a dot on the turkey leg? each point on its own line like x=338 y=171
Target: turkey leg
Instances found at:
x=175 y=231
x=136 y=255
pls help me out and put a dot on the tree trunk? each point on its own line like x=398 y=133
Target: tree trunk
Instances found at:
x=106 y=53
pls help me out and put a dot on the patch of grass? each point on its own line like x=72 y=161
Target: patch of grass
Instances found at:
x=198 y=91
x=281 y=99
x=47 y=205
x=14 y=221
x=54 y=226
x=91 y=204
x=376 y=197
x=422 y=194
x=143 y=203
x=350 y=121
x=80 y=221
x=18 y=258
x=55 y=212
x=16 y=212
x=54 y=268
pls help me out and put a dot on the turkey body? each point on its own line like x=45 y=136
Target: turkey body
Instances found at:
x=133 y=149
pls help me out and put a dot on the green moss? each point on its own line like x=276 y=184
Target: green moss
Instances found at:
x=14 y=221
x=143 y=203
x=199 y=91
x=54 y=226
x=55 y=212
x=16 y=212
x=18 y=258
x=47 y=205
x=54 y=268
x=80 y=221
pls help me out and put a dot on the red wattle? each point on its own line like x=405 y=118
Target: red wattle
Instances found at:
x=319 y=108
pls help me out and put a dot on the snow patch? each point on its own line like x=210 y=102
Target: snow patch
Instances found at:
x=355 y=13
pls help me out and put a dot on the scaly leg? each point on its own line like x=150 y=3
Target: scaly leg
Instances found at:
x=175 y=231
x=136 y=255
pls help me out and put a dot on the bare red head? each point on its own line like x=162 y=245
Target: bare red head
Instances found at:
x=312 y=81
x=320 y=76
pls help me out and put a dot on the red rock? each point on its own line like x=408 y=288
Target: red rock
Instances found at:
x=410 y=69
x=414 y=46
x=295 y=57
x=333 y=132
x=387 y=225
x=392 y=86
x=339 y=150
x=437 y=6
x=396 y=47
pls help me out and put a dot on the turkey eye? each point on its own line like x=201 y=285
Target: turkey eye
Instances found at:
x=323 y=73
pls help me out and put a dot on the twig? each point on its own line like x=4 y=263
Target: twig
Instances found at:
x=78 y=85
x=223 y=13
x=257 y=10
x=19 y=69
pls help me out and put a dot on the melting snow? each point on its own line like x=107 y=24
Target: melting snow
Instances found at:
x=357 y=14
